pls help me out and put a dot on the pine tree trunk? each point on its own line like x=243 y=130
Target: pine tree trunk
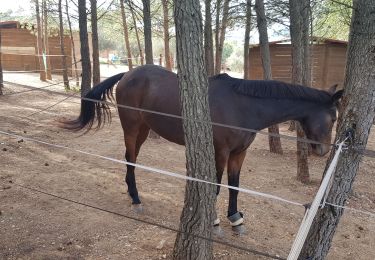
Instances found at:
x=274 y=142
x=85 y=52
x=147 y=31
x=73 y=44
x=197 y=215
x=217 y=31
x=167 y=53
x=357 y=113
x=95 y=44
x=1 y=69
x=126 y=35
x=299 y=32
x=246 y=50
x=208 y=41
x=62 y=48
x=223 y=27
x=46 y=44
x=136 y=32
x=40 y=43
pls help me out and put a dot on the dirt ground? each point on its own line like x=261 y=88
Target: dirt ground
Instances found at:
x=37 y=226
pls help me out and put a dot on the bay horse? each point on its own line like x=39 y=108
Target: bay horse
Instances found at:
x=254 y=104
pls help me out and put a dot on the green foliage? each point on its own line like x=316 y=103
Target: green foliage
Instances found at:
x=332 y=19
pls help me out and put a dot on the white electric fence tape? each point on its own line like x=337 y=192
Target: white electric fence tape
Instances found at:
x=310 y=213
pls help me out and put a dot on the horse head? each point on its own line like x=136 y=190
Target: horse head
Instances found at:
x=319 y=123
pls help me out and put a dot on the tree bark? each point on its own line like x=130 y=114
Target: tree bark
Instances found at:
x=136 y=32
x=40 y=43
x=95 y=44
x=357 y=113
x=62 y=48
x=217 y=31
x=1 y=70
x=246 y=50
x=208 y=41
x=85 y=52
x=223 y=27
x=274 y=142
x=45 y=42
x=147 y=31
x=167 y=53
x=197 y=215
x=73 y=44
x=299 y=34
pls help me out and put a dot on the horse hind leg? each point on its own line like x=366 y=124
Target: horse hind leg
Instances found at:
x=133 y=144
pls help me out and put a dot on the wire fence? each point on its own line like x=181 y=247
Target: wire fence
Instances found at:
x=251 y=192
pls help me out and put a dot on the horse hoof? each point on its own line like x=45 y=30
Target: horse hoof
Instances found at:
x=239 y=230
x=217 y=231
x=137 y=208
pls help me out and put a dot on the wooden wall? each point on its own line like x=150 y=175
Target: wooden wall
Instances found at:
x=328 y=64
x=19 y=51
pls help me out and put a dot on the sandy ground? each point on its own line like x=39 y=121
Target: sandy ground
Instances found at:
x=37 y=226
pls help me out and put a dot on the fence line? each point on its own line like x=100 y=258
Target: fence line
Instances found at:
x=358 y=149
x=180 y=176
x=256 y=252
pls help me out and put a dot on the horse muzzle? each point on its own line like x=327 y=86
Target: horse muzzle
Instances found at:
x=320 y=149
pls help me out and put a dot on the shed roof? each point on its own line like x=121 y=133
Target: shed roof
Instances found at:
x=319 y=40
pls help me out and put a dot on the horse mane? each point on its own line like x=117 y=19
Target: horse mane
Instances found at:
x=273 y=89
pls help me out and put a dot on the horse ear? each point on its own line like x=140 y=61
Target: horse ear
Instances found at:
x=335 y=97
x=332 y=89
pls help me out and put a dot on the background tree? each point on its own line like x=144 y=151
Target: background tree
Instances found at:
x=274 y=142
x=357 y=113
x=1 y=71
x=208 y=41
x=136 y=32
x=220 y=33
x=247 y=41
x=85 y=52
x=147 y=31
x=72 y=42
x=45 y=40
x=95 y=43
x=167 y=53
x=299 y=34
x=42 y=68
x=126 y=35
x=199 y=205
x=62 y=46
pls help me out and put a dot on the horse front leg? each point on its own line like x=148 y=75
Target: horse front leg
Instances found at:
x=234 y=167
x=221 y=158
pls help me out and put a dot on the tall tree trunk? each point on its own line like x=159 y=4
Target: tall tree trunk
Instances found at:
x=1 y=69
x=167 y=53
x=220 y=47
x=299 y=32
x=73 y=44
x=147 y=31
x=274 y=142
x=357 y=113
x=136 y=32
x=95 y=44
x=217 y=31
x=40 y=43
x=46 y=40
x=208 y=41
x=62 y=48
x=197 y=215
x=85 y=52
x=246 y=50
x=126 y=35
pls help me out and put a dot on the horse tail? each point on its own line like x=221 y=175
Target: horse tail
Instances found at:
x=94 y=106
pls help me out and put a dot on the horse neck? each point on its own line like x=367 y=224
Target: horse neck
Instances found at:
x=285 y=110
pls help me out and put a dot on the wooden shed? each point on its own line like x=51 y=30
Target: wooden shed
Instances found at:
x=328 y=62
x=19 y=49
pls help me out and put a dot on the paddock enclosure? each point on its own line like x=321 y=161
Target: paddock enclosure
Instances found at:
x=328 y=59
x=38 y=226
